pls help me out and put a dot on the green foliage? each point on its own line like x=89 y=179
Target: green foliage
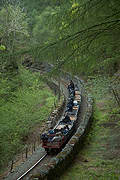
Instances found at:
x=84 y=34
x=87 y=31
x=39 y=5
x=22 y=106
x=2 y=47
x=99 y=86
x=13 y=33
x=13 y=24
x=42 y=32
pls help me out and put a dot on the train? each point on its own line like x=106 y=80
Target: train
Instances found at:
x=55 y=139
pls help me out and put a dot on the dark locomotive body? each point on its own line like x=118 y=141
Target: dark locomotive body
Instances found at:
x=55 y=139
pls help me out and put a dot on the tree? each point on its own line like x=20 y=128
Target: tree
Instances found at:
x=13 y=32
x=88 y=33
x=42 y=32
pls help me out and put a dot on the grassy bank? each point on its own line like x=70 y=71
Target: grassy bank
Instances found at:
x=25 y=103
x=100 y=157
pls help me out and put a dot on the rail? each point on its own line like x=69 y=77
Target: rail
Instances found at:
x=32 y=167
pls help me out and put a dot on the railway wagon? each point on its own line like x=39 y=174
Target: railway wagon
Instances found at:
x=55 y=139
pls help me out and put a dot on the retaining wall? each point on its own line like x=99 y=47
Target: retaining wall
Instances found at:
x=57 y=164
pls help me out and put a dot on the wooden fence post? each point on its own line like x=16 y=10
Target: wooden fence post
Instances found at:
x=32 y=149
x=11 y=168
x=26 y=152
x=22 y=155
x=34 y=146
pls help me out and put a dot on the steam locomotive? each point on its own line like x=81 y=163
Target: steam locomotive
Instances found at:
x=55 y=139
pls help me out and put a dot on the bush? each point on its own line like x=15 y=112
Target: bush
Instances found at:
x=29 y=104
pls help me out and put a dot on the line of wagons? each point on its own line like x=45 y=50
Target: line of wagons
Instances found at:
x=55 y=139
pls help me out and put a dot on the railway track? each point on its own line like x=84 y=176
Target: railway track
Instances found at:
x=30 y=169
x=24 y=176
x=33 y=168
x=26 y=169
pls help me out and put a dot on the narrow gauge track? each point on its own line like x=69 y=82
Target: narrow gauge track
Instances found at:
x=25 y=170
x=21 y=177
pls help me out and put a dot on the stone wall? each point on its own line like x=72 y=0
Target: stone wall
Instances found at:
x=57 y=164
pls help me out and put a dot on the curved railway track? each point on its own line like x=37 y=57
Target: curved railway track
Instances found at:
x=33 y=168
x=23 y=175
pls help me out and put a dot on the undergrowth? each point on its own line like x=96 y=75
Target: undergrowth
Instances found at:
x=25 y=102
